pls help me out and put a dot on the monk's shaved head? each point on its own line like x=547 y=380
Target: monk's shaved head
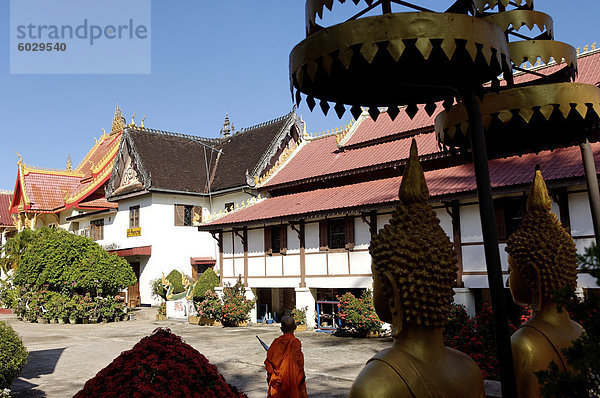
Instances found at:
x=287 y=324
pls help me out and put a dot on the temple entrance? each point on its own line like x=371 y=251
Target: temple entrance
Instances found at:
x=133 y=291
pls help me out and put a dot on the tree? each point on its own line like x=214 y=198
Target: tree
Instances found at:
x=13 y=249
x=68 y=263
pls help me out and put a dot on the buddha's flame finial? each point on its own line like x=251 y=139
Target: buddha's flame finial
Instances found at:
x=538 y=198
x=413 y=188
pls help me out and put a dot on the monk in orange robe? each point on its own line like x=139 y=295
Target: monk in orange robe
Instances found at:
x=285 y=364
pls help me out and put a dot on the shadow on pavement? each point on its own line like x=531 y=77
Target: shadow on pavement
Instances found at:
x=39 y=363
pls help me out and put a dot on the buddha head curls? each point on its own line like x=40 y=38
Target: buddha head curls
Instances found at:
x=543 y=251
x=413 y=253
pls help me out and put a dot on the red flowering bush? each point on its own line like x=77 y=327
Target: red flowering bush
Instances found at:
x=358 y=314
x=236 y=306
x=160 y=365
x=475 y=337
x=211 y=306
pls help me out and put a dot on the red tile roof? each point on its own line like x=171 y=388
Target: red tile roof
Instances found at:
x=98 y=203
x=47 y=192
x=322 y=157
x=517 y=170
x=368 y=130
x=5 y=199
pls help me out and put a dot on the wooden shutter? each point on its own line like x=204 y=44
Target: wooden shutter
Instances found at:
x=349 y=233
x=179 y=215
x=283 y=239
x=500 y=220
x=323 y=235
x=268 y=248
x=197 y=214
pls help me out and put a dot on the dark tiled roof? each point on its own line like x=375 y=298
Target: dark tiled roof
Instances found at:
x=243 y=151
x=172 y=162
x=184 y=163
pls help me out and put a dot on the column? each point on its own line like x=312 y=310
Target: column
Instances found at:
x=464 y=297
x=305 y=297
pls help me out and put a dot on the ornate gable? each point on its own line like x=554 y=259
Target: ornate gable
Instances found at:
x=128 y=174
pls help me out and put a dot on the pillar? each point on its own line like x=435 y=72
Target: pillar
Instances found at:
x=251 y=295
x=305 y=297
x=464 y=297
x=589 y=167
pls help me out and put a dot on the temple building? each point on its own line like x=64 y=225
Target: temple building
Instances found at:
x=139 y=192
x=307 y=240
x=7 y=228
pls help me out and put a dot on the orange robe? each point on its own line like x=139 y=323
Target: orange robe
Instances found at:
x=285 y=368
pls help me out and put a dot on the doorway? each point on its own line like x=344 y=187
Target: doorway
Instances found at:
x=133 y=291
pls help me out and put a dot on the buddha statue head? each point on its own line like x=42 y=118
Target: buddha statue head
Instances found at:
x=542 y=255
x=413 y=262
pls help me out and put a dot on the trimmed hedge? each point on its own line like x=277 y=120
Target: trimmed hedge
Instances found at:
x=13 y=355
x=175 y=278
x=207 y=281
x=68 y=263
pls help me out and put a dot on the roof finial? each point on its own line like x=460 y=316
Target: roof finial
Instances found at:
x=69 y=163
x=413 y=188
x=132 y=121
x=118 y=121
x=20 y=161
x=226 y=131
x=538 y=198
x=142 y=122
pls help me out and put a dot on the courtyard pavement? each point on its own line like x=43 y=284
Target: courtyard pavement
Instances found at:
x=63 y=357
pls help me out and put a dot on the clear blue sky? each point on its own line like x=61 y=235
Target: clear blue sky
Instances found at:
x=208 y=58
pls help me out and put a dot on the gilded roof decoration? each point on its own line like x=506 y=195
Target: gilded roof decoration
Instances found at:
x=519 y=18
x=544 y=51
x=118 y=121
x=485 y=5
x=542 y=110
x=349 y=63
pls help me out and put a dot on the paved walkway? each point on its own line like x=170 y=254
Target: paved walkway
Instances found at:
x=63 y=357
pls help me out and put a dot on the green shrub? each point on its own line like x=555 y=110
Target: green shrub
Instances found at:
x=236 y=306
x=13 y=355
x=299 y=315
x=158 y=289
x=175 y=278
x=69 y=263
x=358 y=314
x=9 y=293
x=14 y=248
x=207 y=281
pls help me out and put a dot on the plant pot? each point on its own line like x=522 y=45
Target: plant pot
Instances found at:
x=42 y=320
x=52 y=321
x=124 y=317
x=217 y=323
x=300 y=328
x=372 y=335
x=62 y=321
x=117 y=318
x=207 y=321
x=93 y=319
x=194 y=320
x=72 y=321
x=85 y=321
x=161 y=317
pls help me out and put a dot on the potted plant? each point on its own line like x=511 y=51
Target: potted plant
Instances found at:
x=236 y=306
x=210 y=308
x=162 y=312
x=299 y=315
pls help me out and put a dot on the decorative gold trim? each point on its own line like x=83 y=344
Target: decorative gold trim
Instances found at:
x=92 y=185
x=531 y=50
x=481 y=5
x=367 y=36
x=522 y=101
x=519 y=18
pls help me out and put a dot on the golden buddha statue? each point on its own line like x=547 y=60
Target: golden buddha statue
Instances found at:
x=414 y=270
x=542 y=259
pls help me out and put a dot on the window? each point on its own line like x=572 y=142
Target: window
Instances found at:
x=228 y=206
x=337 y=233
x=187 y=215
x=509 y=214
x=134 y=217
x=97 y=229
x=276 y=239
